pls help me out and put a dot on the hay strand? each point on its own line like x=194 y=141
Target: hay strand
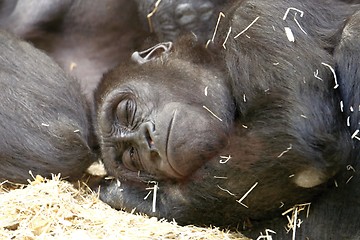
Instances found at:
x=55 y=209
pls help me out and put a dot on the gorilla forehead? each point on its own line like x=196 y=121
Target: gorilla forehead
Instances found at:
x=152 y=82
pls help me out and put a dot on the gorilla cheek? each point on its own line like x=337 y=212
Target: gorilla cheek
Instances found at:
x=193 y=137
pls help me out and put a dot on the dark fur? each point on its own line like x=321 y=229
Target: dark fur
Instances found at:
x=86 y=38
x=275 y=102
x=44 y=120
x=172 y=18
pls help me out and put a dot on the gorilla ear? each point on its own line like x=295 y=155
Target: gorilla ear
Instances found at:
x=158 y=51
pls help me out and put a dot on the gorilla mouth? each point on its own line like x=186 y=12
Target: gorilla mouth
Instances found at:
x=168 y=134
x=175 y=173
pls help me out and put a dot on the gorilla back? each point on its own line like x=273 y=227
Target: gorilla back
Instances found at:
x=239 y=134
x=44 y=124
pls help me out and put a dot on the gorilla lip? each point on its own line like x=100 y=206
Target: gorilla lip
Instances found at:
x=176 y=173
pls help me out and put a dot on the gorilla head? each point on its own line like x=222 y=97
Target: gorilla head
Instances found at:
x=153 y=123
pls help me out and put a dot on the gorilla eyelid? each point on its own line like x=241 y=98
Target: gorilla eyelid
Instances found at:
x=131 y=111
x=125 y=113
x=128 y=112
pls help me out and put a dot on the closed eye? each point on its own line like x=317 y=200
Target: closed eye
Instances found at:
x=125 y=113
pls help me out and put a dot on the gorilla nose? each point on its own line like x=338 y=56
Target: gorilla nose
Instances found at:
x=144 y=136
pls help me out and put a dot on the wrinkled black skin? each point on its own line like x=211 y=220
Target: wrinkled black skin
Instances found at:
x=173 y=18
x=284 y=104
x=44 y=122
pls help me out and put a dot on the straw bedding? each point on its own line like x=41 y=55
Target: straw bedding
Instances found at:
x=56 y=209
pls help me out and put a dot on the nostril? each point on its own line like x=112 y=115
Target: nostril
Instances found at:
x=147 y=130
x=149 y=140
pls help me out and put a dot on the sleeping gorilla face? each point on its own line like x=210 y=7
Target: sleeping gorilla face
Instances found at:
x=244 y=130
x=152 y=123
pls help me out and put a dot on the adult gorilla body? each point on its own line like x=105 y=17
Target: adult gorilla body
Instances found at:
x=260 y=112
x=44 y=122
x=87 y=38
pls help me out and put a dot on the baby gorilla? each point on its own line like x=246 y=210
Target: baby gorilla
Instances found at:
x=242 y=131
x=44 y=123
